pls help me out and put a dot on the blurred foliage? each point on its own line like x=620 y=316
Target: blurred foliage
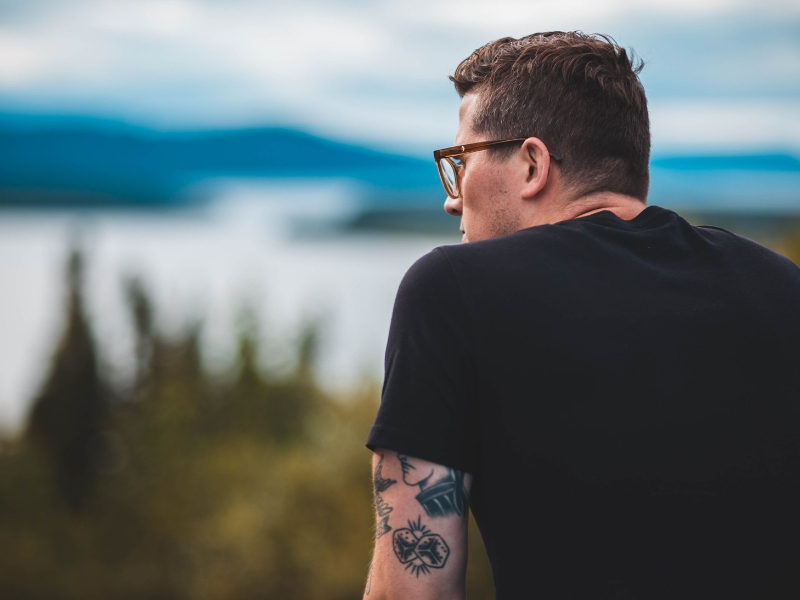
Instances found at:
x=789 y=246
x=187 y=485
x=70 y=414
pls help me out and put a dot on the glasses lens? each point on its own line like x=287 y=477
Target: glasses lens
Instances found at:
x=448 y=176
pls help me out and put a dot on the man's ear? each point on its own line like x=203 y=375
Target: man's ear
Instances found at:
x=536 y=159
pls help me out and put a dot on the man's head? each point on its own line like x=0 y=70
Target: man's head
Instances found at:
x=574 y=95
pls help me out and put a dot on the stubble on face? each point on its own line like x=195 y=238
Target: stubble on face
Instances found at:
x=487 y=207
x=503 y=218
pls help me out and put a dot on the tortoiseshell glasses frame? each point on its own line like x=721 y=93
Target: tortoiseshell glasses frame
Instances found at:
x=449 y=166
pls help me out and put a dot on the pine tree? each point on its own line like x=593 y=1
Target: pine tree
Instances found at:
x=69 y=415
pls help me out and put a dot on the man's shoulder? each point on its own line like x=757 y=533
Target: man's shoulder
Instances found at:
x=741 y=248
x=535 y=245
x=504 y=244
x=429 y=268
x=438 y=275
x=430 y=280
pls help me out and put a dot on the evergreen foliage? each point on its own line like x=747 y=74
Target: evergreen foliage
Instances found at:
x=186 y=485
x=70 y=413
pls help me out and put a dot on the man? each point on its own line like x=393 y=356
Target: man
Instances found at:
x=616 y=391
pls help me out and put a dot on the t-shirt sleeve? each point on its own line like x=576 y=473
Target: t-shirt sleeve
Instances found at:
x=427 y=404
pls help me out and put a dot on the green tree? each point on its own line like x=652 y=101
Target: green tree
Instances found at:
x=71 y=411
x=254 y=485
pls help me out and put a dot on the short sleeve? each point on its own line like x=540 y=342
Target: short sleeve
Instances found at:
x=427 y=403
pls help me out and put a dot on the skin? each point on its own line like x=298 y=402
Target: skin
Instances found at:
x=500 y=196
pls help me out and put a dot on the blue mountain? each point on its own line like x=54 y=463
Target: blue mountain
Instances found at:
x=738 y=162
x=85 y=163
x=58 y=161
x=747 y=183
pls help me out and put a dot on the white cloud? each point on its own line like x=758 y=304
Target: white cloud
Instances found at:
x=20 y=58
x=372 y=71
x=726 y=126
x=524 y=16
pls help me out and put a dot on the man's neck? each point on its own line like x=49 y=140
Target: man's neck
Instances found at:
x=625 y=207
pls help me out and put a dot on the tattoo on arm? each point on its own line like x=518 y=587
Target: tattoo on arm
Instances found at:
x=442 y=490
x=419 y=549
x=381 y=484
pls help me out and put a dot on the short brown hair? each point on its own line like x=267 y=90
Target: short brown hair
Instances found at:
x=580 y=94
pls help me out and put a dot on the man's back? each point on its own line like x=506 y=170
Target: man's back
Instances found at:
x=627 y=405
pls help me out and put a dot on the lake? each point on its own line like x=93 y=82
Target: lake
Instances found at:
x=264 y=246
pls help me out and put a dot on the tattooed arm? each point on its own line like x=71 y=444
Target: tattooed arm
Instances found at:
x=421 y=529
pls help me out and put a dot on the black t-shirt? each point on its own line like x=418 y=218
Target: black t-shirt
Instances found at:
x=626 y=395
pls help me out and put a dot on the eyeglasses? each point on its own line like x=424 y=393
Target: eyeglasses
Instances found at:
x=450 y=165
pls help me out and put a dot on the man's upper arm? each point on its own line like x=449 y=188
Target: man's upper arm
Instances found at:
x=421 y=529
x=427 y=410
x=428 y=405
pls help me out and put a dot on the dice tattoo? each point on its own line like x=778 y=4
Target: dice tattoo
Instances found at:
x=419 y=549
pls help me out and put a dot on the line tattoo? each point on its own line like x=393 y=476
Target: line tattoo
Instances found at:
x=381 y=484
x=442 y=490
x=419 y=549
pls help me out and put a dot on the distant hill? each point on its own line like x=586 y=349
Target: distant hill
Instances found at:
x=730 y=162
x=766 y=183
x=78 y=163
x=46 y=161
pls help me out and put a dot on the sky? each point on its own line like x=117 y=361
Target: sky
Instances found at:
x=721 y=75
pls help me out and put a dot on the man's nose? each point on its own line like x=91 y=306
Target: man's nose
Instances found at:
x=452 y=206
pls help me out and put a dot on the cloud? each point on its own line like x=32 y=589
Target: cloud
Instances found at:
x=370 y=71
x=727 y=126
